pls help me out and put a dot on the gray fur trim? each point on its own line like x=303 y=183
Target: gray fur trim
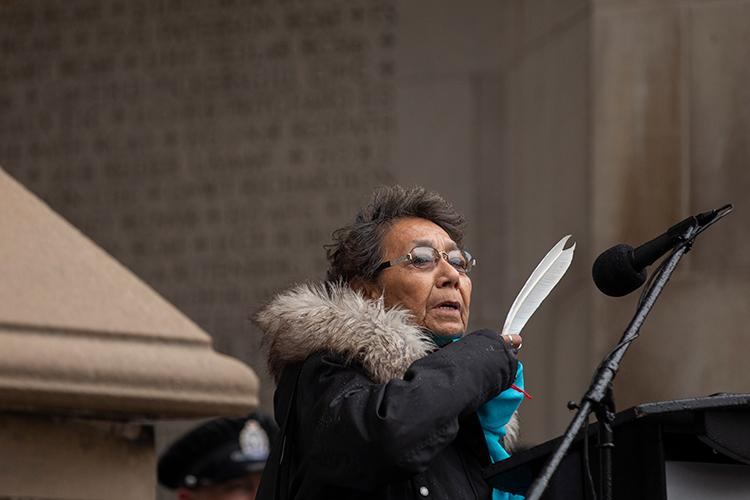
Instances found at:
x=512 y=432
x=332 y=317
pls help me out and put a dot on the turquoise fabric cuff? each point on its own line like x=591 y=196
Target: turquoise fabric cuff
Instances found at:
x=494 y=415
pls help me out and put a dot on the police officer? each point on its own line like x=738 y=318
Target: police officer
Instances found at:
x=222 y=459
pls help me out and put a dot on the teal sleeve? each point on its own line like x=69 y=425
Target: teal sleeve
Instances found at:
x=494 y=415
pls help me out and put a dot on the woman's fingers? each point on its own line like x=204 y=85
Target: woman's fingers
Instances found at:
x=513 y=340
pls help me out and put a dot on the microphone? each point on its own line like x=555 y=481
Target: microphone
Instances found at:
x=622 y=269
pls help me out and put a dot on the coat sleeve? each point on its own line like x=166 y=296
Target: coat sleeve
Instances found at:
x=357 y=433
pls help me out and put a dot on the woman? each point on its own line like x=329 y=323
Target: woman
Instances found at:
x=369 y=405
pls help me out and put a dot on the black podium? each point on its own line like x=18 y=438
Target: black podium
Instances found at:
x=684 y=449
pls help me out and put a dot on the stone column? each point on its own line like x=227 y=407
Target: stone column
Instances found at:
x=671 y=139
x=90 y=357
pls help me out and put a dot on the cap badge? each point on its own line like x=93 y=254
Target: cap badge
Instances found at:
x=254 y=441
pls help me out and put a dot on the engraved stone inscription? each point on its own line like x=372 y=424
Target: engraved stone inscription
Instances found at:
x=209 y=146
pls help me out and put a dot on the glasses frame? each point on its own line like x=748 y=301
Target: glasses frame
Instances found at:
x=470 y=261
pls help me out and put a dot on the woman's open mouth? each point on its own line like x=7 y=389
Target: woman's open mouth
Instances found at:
x=449 y=305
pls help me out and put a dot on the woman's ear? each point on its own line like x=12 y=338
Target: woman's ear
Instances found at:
x=369 y=289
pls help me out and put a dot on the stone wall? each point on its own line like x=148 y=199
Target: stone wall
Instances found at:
x=672 y=139
x=209 y=146
x=494 y=111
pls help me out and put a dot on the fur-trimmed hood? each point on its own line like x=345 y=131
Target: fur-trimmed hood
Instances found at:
x=316 y=317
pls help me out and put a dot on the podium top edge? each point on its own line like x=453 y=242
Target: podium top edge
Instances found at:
x=720 y=400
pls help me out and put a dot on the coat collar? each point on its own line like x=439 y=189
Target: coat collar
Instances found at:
x=332 y=317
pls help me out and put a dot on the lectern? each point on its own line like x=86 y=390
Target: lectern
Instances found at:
x=684 y=449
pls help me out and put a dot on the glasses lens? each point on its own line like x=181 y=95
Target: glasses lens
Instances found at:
x=424 y=257
x=470 y=261
x=460 y=259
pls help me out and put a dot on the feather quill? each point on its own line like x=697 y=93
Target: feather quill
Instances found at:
x=547 y=274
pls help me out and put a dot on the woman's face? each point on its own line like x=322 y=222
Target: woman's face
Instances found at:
x=438 y=298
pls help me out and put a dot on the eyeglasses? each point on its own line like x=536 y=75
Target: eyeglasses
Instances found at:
x=427 y=258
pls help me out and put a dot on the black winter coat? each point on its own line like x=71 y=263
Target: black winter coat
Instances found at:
x=378 y=412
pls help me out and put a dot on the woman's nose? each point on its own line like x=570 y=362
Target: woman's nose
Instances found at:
x=447 y=274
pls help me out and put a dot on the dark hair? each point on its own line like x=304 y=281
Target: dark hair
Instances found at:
x=356 y=252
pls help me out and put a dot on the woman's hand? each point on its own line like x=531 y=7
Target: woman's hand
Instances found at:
x=513 y=340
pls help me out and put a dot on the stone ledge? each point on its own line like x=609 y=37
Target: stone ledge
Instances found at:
x=81 y=335
x=78 y=374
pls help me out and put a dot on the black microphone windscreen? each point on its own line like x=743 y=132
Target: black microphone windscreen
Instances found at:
x=614 y=274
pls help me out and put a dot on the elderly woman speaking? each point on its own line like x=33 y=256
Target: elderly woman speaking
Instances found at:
x=382 y=393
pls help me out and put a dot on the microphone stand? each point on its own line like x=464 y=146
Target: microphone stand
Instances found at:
x=599 y=398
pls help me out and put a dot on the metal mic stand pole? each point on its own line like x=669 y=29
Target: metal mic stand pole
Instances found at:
x=599 y=395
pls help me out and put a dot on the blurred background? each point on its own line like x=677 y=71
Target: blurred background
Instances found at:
x=212 y=148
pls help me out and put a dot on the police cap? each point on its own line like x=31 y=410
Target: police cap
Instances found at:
x=217 y=451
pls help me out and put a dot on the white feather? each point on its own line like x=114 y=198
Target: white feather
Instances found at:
x=541 y=282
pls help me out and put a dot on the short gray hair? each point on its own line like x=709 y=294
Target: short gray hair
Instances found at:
x=356 y=250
